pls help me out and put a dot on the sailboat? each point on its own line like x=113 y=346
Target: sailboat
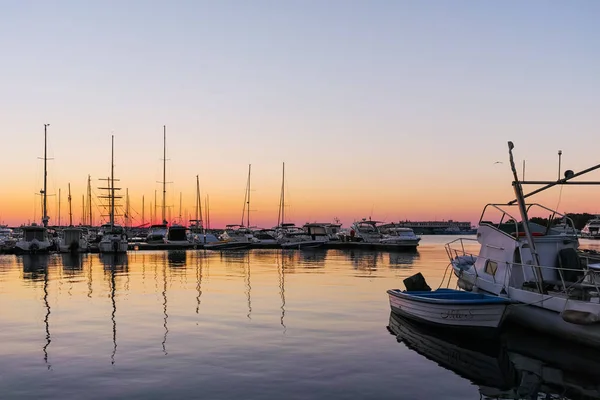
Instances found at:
x=73 y=240
x=158 y=232
x=289 y=235
x=35 y=237
x=114 y=239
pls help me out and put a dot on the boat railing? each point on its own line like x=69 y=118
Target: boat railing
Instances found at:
x=456 y=248
x=508 y=218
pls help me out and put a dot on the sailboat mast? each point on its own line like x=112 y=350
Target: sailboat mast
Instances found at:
x=280 y=217
x=283 y=195
x=89 y=200
x=59 y=206
x=45 y=211
x=70 y=209
x=164 y=182
x=127 y=220
x=143 y=211
x=112 y=182
x=248 y=197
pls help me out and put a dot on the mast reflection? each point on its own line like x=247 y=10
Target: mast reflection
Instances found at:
x=35 y=267
x=166 y=316
x=199 y=265
x=248 y=286
x=114 y=263
x=46 y=320
x=281 y=274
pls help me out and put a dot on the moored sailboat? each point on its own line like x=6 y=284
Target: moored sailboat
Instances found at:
x=114 y=239
x=35 y=237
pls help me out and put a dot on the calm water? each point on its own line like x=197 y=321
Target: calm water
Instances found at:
x=258 y=324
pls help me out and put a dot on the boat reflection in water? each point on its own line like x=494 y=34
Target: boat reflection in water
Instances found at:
x=514 y=365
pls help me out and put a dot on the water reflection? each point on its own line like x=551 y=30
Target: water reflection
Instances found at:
x=166 y=316
x=46 y=319
x=281 y=275
x=72 y=262
x=402 y=259
x=517 y=364
x=248 y=285
x=34 y=266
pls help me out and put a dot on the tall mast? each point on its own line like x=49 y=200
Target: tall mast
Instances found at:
x=143 y=209
x=112 y=182
x=199 y=221
x=155 y=205
x=283 y=195
x=127 y=220
x=164 y=182
x=89 y=200
x=246 y=209
x=70 y=207
x=280 y=216
x=44 y=206
x=58 y=206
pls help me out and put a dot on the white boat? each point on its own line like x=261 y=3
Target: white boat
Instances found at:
x=592 y=229
x=7 y=240
x=301 y=240
x=157 y=233
x=557 y=291
x=448 y=307
x=365 y=230
x=73 y=241
x=401 y=236
x=35 y=240
x=114 y=239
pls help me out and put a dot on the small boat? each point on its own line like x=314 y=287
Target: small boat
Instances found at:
x=450 y=307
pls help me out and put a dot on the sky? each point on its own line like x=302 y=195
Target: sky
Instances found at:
x=393 y=110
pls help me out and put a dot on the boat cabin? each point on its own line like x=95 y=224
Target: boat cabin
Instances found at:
x=505 y=257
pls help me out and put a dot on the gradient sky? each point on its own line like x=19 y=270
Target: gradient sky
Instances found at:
x=390 y=109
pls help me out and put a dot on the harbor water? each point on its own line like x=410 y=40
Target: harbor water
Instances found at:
x=257 y=324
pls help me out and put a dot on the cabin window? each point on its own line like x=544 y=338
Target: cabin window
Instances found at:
x=491 y=267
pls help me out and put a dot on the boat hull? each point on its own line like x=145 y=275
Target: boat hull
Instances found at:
x=32 y=247
x=550 y=322
x=302 y=245
x=112 y=246
x=454 y=314
x=227 y=246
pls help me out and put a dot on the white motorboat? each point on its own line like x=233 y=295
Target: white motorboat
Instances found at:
x=7 y=241
x=557 y=291
x=365 y=230
x=35 y=240
x=401 y=237
x=592 y=229
x=73 y=241
x=114 y=239
x=157 y=233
